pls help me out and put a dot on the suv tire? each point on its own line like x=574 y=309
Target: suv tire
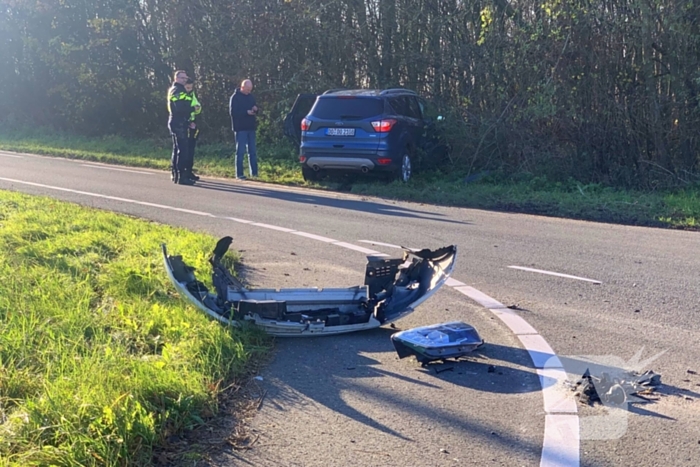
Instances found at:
x=406 y=169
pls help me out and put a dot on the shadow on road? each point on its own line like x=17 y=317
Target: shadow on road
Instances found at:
x=325 y=370
x=306 y=198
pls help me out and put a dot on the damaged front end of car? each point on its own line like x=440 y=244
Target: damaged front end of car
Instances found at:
x=393 y=288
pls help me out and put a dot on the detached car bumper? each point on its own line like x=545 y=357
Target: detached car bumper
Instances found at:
x=392 y=289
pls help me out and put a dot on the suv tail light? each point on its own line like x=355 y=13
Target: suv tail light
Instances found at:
x=384 y=126
x=305 y=124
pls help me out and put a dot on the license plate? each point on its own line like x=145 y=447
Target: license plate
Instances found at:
x=340 y=132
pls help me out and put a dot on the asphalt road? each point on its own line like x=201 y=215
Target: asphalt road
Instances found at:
x=348 y=400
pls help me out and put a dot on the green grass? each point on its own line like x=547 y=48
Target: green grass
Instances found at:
x=100 y=360
x=528 y=194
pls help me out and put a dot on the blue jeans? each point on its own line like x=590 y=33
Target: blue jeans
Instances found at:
x=246 y=139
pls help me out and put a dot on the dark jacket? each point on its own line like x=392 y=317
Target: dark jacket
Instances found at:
x=238 y=108
x=179 y=106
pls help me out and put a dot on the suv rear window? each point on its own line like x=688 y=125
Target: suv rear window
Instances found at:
x=347 y=108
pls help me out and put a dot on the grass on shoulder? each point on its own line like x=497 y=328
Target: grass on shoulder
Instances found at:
x=529 y=194
x=592 y=202
x=100 y=360
x=215 y=159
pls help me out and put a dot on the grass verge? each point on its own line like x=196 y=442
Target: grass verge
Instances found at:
x=100 y=361
x=530 y=194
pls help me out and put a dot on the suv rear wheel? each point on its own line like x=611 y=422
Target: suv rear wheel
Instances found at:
x=406 y=170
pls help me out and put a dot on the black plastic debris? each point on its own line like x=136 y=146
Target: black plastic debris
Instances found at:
x=616 y=390
x=437 y=342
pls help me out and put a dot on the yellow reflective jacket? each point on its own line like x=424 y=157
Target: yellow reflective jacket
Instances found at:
x=195 y=104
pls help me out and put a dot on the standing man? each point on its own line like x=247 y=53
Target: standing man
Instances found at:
x=180 y=109
x=192 y=130
x=243 y=122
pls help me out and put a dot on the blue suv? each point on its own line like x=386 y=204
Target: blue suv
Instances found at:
x=360 y=130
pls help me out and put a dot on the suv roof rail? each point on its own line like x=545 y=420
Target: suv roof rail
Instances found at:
x=398 y=90
x=330 y=91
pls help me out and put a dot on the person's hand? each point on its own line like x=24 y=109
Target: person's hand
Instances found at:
x=193 y=125
x=251 y=112
x=197 y=108
x=255 y=109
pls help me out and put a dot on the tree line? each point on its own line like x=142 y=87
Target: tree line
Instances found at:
x=604 y=91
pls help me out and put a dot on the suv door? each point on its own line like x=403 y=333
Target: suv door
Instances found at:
x=292 y=122
x=433 y=144
x=408 y=108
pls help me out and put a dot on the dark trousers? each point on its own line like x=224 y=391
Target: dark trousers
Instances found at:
x=192 y=137
x=181 y=160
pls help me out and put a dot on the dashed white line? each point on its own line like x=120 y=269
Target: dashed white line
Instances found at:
x=116 y=169
x=11 y=155
x=550 y=273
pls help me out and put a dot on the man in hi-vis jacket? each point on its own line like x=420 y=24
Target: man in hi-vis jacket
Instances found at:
x=180 y=108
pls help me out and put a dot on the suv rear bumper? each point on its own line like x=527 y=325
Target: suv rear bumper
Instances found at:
x=340 y=163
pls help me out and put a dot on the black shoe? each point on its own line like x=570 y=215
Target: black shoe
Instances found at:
x=193 y=177
x=185 y=181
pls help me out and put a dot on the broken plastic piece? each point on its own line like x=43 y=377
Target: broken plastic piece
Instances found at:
x=628 y=387
x=437 y=342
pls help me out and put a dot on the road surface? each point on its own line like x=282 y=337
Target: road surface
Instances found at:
x=624 y=296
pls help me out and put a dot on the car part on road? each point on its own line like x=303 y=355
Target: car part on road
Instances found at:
x=393 y=288
x=616 y=390
x=437 y=342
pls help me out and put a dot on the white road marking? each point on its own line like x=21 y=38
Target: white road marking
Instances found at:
x=388 y=245
x=454 y=283
x=557 y=398
x=315 y=237
x=4 y=154
x=550 y=273
x=560 y=446
x=272 y=227
x=118 y=170
x=350 y=246
x=235 y=219
x=514 y=321
x=480 y=297
x=113 y=198
x=541 y=353
x=561 y=443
